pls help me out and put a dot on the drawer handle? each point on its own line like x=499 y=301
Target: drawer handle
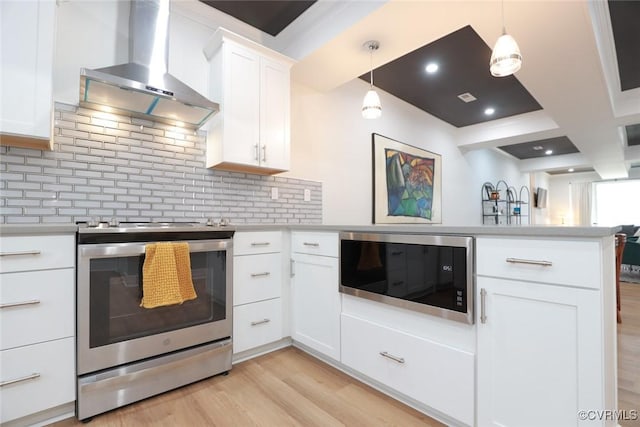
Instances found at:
x=16 y=253
x=396 y=253
x=315 y=245
x=483 y=308
x=260 y=243
x=266 y=273
x=20 y=303
x=529 y=261
x=260 y=322
x=392 y=357
x=397 y=283
x=19 y=380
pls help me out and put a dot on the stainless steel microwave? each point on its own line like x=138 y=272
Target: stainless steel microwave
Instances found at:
x=422 y=272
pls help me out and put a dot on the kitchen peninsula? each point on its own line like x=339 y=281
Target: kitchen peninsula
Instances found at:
x=543 y=332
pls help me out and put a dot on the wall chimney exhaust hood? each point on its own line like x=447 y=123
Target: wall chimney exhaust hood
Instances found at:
x=143 y=87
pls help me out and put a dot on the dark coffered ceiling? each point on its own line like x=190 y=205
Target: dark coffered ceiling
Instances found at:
x=626 y=33
x=534 y=149
x=463 y=67
x=266 y=15
x=633 y=134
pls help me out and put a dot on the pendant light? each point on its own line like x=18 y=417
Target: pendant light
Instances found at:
x=505 y=58
x=371 y=106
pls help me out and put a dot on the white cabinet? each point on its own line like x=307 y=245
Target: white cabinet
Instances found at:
x=27 y=31
x=315 y=299
x=37 y=300
x=546 y=348
x=251 y=133
x=257 y=288
x=434 y=374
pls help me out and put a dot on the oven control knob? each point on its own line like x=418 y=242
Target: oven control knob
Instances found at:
x=113 y=222
x=93 y=222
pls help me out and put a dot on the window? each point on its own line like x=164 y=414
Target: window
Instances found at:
x=617 y=202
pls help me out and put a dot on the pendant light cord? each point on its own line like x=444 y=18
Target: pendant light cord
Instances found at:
x=504 y=30
x=371 y=64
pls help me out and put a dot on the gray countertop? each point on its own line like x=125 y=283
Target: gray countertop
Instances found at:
x=469 y=230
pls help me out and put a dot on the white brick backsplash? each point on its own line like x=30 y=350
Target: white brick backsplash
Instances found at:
x=106 y=165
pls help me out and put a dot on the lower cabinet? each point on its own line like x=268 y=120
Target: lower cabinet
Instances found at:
x=36 y=377
x=256 y=324
x=315 y=303
x=436 y=375
x=539 y=354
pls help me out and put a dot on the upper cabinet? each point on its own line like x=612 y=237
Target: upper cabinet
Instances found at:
x=26 y=72
x=251 y=133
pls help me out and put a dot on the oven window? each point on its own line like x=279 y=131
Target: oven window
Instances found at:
x=116 y=291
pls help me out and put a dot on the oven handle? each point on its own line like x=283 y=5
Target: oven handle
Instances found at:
x=103 y=250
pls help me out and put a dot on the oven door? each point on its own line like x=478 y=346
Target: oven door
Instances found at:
x=112 y=327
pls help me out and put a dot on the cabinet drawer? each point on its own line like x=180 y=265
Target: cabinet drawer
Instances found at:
x=315 y=243
x=258 y=242
x=51 y=364
x=436 y=375
x=24 y=253
x=256 y=324
x=575 y=263
x=256 y=277
x=36 y=306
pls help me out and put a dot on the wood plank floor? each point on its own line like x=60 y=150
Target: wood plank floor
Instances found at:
x=283 y=388
x=629 y=351
x=291 y=388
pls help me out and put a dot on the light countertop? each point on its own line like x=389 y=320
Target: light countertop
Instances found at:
x=467 y=230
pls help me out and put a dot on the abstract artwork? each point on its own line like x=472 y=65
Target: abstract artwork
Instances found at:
x=406 y=183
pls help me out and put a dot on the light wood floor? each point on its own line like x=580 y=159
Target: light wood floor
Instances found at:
x=291 y=388
x=629 y=351
x=283 y=388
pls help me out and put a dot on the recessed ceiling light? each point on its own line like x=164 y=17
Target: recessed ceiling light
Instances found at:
x=431 y=67
x=570 y=169
x=489 y=111
x=537 y=147
x=548 y=152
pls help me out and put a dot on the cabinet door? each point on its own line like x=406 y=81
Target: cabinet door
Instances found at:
x=274 y=114
x=316 y=303
x=539 y=354
x=26 y=73
x=241 y=105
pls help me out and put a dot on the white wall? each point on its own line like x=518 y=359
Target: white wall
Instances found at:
x=331 y=142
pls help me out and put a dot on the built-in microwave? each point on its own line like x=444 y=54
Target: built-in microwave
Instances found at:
x=422 y=272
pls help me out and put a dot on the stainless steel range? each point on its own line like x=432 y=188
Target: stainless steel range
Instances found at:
x=126 y=352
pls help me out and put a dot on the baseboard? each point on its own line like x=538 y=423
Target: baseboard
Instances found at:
x=46 y=417
x=263 y=349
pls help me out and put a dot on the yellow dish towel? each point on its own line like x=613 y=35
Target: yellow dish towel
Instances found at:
x=166 y=275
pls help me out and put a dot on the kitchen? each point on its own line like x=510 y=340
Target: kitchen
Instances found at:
x=94 y=176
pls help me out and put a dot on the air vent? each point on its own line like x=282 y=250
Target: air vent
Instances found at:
x=467 y=97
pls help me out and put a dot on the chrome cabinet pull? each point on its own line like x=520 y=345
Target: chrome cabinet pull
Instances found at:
x=260 y=243
x=266 y=273
x=292 y=267
x=16 y=253
x=529 y=261
x=483 y=298
x=264 y=153
x=260 y=322
x=392 y=357
x=20 y=303
x=21 y=379
x=256 y=152
x=315 y=245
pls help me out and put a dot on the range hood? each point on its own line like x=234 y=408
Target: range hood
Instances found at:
x=143 y=87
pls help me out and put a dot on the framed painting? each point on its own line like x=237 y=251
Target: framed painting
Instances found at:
x=407 y=183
